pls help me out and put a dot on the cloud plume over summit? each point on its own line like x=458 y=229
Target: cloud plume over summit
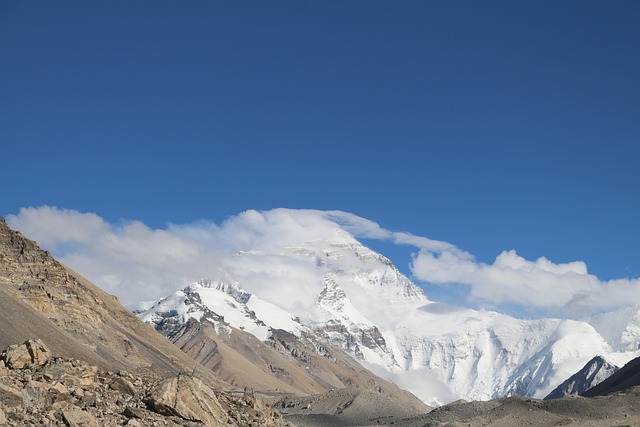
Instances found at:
x=139 y=263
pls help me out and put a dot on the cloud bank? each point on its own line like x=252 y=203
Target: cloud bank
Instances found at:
x=138 y=263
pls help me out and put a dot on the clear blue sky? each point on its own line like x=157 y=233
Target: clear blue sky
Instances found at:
x=492 y=125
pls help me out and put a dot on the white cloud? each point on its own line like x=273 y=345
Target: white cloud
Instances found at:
x=51 y=226
x=138 y=263
x=539 y=284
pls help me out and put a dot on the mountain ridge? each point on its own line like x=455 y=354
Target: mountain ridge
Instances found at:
x=360 y=302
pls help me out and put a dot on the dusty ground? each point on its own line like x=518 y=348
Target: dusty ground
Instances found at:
x=617 y=410
x=351 y=408
x=343 y=407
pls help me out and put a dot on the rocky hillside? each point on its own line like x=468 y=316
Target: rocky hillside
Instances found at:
x=97 y=363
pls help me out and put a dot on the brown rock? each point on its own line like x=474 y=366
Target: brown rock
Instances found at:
x=17 y=356
x=40 y=353
x=34 y=394
x=124 y=386
x=76 y=417
x=131 y=412
x=88 y=375
x=188 y=398
x=10 y=396
x=31 y=352
x=60 y=388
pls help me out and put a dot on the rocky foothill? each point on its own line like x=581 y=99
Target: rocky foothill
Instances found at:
x=38 y=388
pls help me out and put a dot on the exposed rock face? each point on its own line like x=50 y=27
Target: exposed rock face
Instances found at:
x=284 y=363
x=626 y=377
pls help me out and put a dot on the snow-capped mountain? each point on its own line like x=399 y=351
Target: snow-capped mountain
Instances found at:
x=223 y=304
x=356 y=299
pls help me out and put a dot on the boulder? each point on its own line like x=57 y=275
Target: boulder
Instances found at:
x=31 y=352
x=124 y=386
x=16 y=356
x=188 y=398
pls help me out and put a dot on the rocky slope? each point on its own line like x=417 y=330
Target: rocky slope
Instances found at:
x=95 y=358
x=38 y=388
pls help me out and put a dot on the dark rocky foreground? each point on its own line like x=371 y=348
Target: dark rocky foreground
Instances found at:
x=40 y=389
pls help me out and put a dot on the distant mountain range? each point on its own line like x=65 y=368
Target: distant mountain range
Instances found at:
x=360 y=303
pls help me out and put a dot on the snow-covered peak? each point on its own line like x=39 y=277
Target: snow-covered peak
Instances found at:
x=223 y=304
x=357 y=299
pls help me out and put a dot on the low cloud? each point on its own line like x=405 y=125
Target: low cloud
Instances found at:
x=138 y=263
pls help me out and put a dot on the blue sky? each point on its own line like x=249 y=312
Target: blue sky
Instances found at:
x=492 y=125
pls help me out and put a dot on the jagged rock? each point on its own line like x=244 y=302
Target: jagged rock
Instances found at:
x=188 y=398
x=30 y=352
x=16 y=356
x=76 y=417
